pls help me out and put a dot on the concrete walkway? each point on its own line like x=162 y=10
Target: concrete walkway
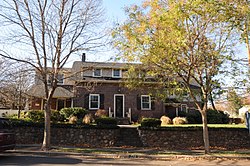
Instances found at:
x=131 y=152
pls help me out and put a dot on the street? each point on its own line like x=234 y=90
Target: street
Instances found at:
x=14 y=159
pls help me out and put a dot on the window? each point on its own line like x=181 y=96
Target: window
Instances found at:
x=184 y=108
x=145 y=102
x=97 y=73
x=60 y=78
x=116 y=73
x=94 y=101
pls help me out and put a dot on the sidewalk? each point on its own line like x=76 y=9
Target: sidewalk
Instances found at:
x=132 y=152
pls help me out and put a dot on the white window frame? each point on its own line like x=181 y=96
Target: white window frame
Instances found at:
x=184 y=105
x=60 y=83
x=97 y=75
x=144 y=102
x=90 y=95
x=120 y=73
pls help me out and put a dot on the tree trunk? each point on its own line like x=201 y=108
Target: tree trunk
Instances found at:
x=19 y=104
x=212 y=101
x=205 y=132
x=248 y=52
x=46 y=139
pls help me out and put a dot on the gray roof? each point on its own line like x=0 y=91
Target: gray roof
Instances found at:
x=60 y=92
x=113 y=65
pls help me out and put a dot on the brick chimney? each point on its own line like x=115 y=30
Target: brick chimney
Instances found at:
x=83 y=57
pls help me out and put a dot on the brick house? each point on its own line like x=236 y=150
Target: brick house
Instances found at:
x=99 y=85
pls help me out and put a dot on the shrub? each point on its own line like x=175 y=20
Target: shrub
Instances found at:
x=106 y=121
x=217 y=117
x=88 y=118
x=76 y=111
x=165 y=121
x=35 y=115
x=194 y=117
x=73 y=120
x=56 y=116
x=150 y=122
x=180 y=120
x=101 y=113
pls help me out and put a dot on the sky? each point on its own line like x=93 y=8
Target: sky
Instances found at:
x=115 y=13
x=115 y=8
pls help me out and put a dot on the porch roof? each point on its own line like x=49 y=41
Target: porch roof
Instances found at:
x=172 y=101
x=60 y=92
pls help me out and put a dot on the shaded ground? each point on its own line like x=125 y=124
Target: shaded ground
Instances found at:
x=17 y=159
x=131 y=152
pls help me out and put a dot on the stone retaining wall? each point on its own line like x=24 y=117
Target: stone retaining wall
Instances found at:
x=68 y=136
x=181 y=138
x=172 y=138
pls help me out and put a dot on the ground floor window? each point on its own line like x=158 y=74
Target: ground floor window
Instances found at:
x=94 y=101
x=145 y=102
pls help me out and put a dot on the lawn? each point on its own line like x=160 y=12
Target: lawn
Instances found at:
x=210 y=125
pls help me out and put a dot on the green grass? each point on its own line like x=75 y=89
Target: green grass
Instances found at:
x=210 y=125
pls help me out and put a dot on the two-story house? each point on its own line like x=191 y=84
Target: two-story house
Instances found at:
x=99 y=85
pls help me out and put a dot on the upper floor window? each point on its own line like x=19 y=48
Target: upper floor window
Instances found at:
x=94 y=101
x=116 y=73
x=97 y=72
x=60 y=79
x=145 y=102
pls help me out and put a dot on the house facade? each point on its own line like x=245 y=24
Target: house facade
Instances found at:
x=97 y=85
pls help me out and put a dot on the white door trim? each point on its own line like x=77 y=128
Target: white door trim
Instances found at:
x=123 y=109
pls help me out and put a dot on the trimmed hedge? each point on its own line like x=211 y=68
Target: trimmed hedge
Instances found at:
x=150 y=122
x=104 y=121
x=217 y=117
x=213 y=117
x=24 y=123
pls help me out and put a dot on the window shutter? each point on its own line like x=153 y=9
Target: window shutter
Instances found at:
x=152 y=105
x=138 y=102
x=86 y=101
x=101 y=101
x=152 y=102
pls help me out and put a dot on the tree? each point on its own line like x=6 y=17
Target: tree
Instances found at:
x=46 y=34
x=177 y=42
x=237 y=15
x=234 y=100
x=14 y=83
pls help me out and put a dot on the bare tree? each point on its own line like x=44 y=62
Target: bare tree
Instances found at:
x=47 y=33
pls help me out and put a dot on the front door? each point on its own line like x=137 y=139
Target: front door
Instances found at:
x=60 y=104
x=119 y=106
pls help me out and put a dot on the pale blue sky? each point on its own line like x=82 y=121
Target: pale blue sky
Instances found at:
x=115 y=8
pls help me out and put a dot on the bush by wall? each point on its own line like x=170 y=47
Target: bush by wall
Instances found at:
x=150 y=122
x=217 y=117
x=75 y=111
x=36 y=115
x=106 y=121
x=194 y=117
x=213 y=117
x=180 y=120
x=165 y=121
